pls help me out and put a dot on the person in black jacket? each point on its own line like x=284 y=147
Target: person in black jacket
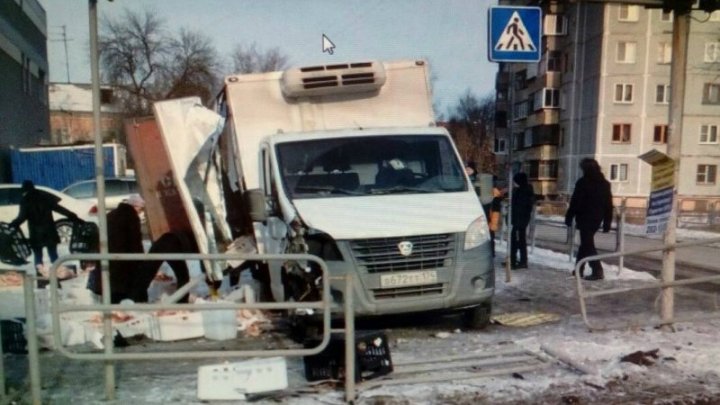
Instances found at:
x=590 y=206
x=36 y=207
x=124 y=236
x=521 y=207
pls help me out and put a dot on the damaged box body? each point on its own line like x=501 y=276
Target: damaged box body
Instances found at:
x=340 y=161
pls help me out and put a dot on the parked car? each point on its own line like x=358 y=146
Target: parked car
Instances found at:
x=11 y=194
x=116 y=190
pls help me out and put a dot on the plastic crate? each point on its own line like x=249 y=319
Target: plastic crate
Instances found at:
x=85 y=237
x=14 y=247
x=13 y=336
x=372 y=357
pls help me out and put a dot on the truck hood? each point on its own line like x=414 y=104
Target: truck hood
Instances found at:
x=390 y=215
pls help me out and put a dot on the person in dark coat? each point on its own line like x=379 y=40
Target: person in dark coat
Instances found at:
x=36 y=207
x=170 y=242
x=521 y=208
x=124 y=236
x=590 y=206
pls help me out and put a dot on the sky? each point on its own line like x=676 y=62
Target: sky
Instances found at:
x=451 y=34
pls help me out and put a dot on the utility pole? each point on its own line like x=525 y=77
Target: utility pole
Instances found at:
x=64 y=39
x=681 y=31
x=67 y=61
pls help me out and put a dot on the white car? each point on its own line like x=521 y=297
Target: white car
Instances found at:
x=116 y=190
x=11 y=194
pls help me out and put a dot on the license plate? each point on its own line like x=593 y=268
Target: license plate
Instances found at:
x=408 y=279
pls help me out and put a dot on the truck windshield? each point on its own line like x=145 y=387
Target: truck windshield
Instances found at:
x=376 y=165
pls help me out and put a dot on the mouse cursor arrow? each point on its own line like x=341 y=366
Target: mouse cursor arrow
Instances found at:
x=327 y=45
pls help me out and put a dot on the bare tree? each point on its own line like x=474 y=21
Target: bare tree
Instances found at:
x=249 y=59
x=471 y=124
x=140 y=58
x=193 y=67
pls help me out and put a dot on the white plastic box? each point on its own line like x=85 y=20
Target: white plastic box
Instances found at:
x=232 y=381
x=177 y=326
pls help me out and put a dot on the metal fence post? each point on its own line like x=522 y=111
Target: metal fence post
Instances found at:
x=2 y=370
x=349 y=341
x=621 y=234
x=533 y=227
x=571 y=241
x=32 y=339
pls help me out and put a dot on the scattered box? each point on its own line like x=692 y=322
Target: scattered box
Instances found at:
x=178 y=325
x=232 y=381
x=372 y=357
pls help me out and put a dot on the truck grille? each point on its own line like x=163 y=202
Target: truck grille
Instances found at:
x=382 y=255
x=402 y=292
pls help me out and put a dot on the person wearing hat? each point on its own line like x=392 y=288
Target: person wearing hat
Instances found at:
x=124 y=236
x=36 y=207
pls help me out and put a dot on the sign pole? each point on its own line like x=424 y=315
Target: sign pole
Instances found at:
x=511 y=113
x=681 y=29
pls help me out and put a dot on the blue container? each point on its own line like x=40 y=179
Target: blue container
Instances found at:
x=59 y=166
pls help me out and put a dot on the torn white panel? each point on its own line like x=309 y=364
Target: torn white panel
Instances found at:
x=189 y=132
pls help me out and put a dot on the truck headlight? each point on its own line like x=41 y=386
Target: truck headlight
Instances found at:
x=477 y=233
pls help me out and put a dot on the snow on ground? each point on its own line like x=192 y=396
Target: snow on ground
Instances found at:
x=639 y=230
x=688 y=363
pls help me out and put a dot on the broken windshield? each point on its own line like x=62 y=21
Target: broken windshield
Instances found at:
x=374 y=165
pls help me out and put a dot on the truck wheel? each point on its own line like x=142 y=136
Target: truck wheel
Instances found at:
x=478 y=317
x=64 y=229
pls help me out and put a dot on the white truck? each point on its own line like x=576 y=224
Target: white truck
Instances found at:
x=345 y=162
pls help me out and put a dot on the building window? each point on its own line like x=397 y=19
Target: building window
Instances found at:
x=706 y=174
x=708 y=134
x=554 y=61
x=500 y=145
x=662 y=94
x=666 y=17
x=546 y=98
x=561 y=141
x=621 y=133
x=660 y=134
x=520 y=111
x=555 y=25
x=618 y=172
x=711 y=93
x=542 y=169
x=664 y=52
x=625 y=52
x=712 y=52
x=623 y=93
x=628 y=12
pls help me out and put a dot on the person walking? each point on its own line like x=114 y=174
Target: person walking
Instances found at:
x=590 y=206
x=521 y=207
x=124 y=236
x=36 y=207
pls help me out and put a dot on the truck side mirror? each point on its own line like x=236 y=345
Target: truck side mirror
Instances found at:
x=255 y=201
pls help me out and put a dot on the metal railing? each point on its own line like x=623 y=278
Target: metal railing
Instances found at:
x=583 y=294
x=32 y=341
x=57 y=307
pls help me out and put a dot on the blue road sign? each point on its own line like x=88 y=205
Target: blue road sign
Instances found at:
x=514 y=34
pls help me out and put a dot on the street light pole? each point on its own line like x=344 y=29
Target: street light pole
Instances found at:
x=100 y=184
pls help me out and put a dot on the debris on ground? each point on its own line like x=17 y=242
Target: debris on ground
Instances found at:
x=641 y=358
x=525 y=318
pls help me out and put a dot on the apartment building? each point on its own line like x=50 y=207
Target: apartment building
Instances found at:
x=23 y=78
x=602 y=90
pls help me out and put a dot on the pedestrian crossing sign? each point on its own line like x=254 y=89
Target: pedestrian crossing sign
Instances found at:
x=514 y=34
